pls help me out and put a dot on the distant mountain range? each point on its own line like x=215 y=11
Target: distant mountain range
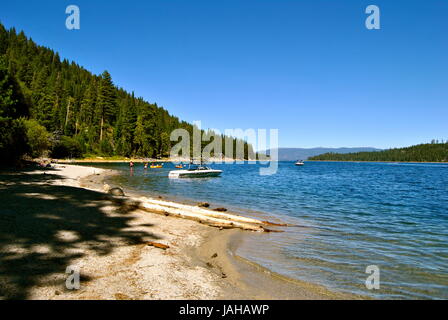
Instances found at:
x=292 y=154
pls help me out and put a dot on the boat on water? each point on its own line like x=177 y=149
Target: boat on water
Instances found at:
x=195 y=171
x=156 y=166
x=300 y=163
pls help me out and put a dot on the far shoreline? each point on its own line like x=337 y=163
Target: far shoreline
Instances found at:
x=124 y=160
x=364 y=161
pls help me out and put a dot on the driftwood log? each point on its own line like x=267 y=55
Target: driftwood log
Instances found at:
x=205 y=216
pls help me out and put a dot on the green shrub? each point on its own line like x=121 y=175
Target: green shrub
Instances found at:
x=13 y=140
x=38 y=138
x=106 y=148
x=67 y=148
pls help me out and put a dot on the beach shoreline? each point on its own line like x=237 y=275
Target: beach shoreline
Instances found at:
x=200 y=263
x=139 y=160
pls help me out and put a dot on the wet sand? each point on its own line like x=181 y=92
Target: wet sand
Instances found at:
x=52 y=219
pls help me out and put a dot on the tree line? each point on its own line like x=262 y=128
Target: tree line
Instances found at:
x=49 y=104
x=429 y=152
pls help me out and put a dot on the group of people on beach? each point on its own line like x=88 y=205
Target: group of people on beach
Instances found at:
x=131 y=165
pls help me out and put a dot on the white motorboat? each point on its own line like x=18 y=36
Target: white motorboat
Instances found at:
x=195 y=171
x=300 y=163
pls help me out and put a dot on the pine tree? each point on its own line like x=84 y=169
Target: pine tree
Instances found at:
x=12 y=102
x=13 y=143
x=107 y=103
x=88 y=105
x=58 y=96
x=165 y=144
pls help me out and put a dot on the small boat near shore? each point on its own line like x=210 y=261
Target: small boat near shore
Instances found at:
x=195 y=171
x=300 y=163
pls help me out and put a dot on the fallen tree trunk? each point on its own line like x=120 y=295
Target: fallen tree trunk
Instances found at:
x=209 y=213
x=212 y=221
x=205 y=216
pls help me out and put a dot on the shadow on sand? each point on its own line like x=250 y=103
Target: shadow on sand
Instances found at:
x=35 y=216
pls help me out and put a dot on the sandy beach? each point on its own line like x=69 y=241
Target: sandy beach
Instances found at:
x=51 y=219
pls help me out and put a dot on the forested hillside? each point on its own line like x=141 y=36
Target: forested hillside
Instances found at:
x=431 y=152
x=294 y=154
x=83 y=113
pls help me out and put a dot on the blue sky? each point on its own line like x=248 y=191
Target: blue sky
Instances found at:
x=309 y=68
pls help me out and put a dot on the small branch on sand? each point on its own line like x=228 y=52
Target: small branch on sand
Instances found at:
x=158 y=245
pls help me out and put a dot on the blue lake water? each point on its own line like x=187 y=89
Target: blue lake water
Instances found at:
x=347 y=215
